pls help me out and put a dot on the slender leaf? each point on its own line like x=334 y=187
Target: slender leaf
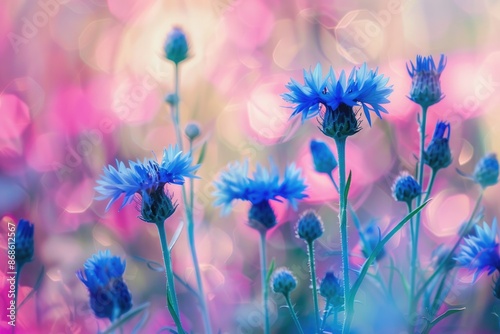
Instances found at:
x=203 y=151
x=376 y=251
x=126 y=318
x=176 y=236
x=446 y=314
x=35 y=287
x=270 y=271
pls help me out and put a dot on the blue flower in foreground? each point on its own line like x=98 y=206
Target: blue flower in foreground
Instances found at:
x=109 y=295
x=263 y=186
x=363 y=87
x=25 y=246
x=480 y=251
x=438 y=154
x=144 y=177
x=426 y=85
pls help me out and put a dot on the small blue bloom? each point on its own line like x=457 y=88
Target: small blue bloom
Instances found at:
x=176 y=46
x=486 y=171
x=331 y=289
x=438 y=154
x=363 y=87
x=145 y=176
x=480 y=251
x=426 y=85
x=103 y=277
x=264 y=185
x=372 y=236
x=323 y=158
x=310 y=227
x=283 y=281
x=192 y=130
x=405 y=188
x=25 y=246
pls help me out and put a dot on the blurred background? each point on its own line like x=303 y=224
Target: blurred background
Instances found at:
x=83 y=83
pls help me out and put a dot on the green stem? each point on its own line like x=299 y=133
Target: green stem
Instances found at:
x=343 y=232
x=364 y=242
x=466 y=229
x=436 y=303
x=294 y=316
x=188 y=208
x=312 y=267
x=416 y=228
x=263 y=270
x=326 y=312
x=16 y=282
x=413 y=264
x=167 y=261
x=429 y=186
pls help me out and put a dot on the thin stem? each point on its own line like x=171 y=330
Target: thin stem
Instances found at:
x=326 y=313
x=437 y=297
x=312 y=267
x=16 y=282
x=413 y=263
x=429 y=186
x=466 y=229
x=416 y=227
x=364 y=242
x=263 y=270
x=292 y=312
x=167 y=261
x=188 y=208
x=343 y=232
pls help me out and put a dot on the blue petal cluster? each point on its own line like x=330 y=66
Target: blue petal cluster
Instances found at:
x=283 y=281
x=109 y=295
x=25 y=246
x=426 y=85
x=147 y=175
x=480 y=251
x=363 y=87
x=264 y=185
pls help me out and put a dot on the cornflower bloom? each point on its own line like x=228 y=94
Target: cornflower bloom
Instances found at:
x=438 y=154
x=480 y=251
x=103 y=277
x=426 y=85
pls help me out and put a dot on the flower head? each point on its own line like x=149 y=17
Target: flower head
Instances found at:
x=372 y=236
x=310 y=227
x=363 y=87
x=109 y=295
x=405 y=188
x=426 y=85
x=156 y=205
x=263 y=185
x=486 y=171
x=192 y=130
x=25 y=246
x=438 y=154
x=331 y=289
x=176 y=46
x=323 y=158
x=144 y=177
x=283 y=281
x=480 y=251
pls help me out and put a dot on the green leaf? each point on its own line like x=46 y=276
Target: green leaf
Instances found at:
x=173 y=313
x=270 y=271
x=126 y=318
x=446 y=314
x=35 y=287
x=376 y=251
x=203 y=151
x=176 y=236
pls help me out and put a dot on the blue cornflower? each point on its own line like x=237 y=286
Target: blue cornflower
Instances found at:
x=331 y=289
x=144 y=177
x=176 y=46
x=363 y=87
x=372 y=236
x=310 y=227
x=25 y=246
x=426 y=85
x=438 y=154
x=323 y=158
x=486 y=171
x=103 y=277
x=263 y=186
x=480 y=251
x=283 y=281
x=405 y=188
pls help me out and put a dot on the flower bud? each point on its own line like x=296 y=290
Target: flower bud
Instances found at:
x=283 y=281
x=192 y=130
x=405 y=188
x=176 y=46
x=486 y=171
x=323 y=158
x=310 y=227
